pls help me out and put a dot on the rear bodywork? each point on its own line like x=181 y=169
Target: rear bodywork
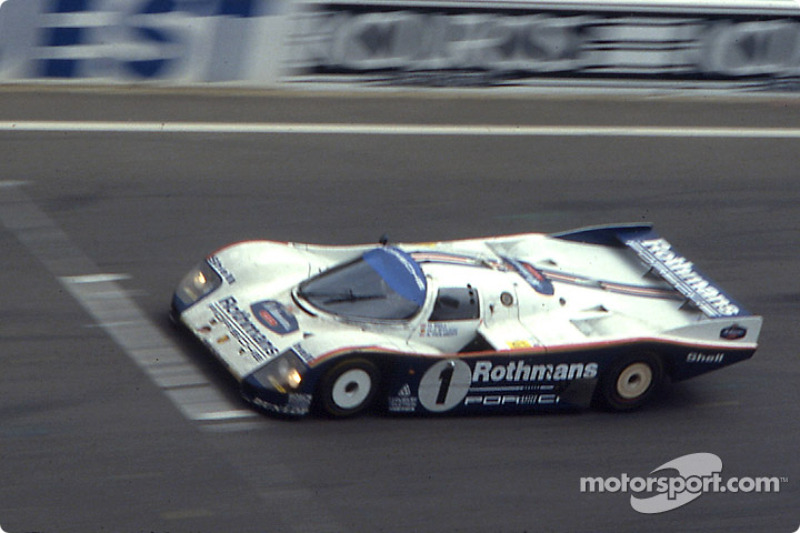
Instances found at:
x=519 y=322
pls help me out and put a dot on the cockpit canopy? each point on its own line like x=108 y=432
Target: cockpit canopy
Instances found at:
x=383 y=284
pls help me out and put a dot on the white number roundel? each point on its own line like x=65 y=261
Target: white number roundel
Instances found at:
x=444 y=385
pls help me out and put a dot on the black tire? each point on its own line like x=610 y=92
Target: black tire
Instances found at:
x=348 y=388
x=630 y=382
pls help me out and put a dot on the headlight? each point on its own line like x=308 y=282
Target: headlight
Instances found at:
x=283 y=374
x=199 y=282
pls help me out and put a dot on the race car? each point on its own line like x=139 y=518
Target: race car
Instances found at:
x=595 y=316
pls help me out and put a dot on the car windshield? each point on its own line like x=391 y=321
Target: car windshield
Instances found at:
x=383 y=284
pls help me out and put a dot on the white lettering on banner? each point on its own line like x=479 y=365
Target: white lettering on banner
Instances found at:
x=406 y=40
x=518 y=371
x=680 y=272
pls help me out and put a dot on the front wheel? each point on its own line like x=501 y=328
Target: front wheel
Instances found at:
x=630 y=382
x=348 y=388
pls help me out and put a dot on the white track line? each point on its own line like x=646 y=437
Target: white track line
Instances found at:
x=113 y=310
x=395 y=129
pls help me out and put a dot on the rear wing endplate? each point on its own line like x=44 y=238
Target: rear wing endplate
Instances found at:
x=657 y=253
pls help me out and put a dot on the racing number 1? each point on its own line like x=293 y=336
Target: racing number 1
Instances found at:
x=444 y=385
x=445 y=378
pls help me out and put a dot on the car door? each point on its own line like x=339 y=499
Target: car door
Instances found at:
x=453 y=321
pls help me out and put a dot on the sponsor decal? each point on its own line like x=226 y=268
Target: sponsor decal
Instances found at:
x=302 y=353
x=520 y=371
x=519 y=344
x=499 y=400
x=451 y=383
x=403 y=402
x=437 y=329
x=697 y=357
x=242 y=328
x=532 y=276
x=733 y=333
x=678 y=482
x=274 y=316
x=681 y=273
x=444 y=385
x=215 y=263
x=297 y=404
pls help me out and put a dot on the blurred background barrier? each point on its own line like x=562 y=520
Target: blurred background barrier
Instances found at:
x=129 y=41
x=432 y=43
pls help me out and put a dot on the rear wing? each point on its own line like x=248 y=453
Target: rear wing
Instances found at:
x=657 y=253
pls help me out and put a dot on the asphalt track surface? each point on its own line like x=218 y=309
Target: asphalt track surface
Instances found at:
x=99 y=225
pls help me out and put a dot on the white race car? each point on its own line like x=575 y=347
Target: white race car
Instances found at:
x=519 y=322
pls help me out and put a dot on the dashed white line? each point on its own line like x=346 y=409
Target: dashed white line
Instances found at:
x=113 y=310
x=96 y=278
x=225 y=415
x=181 y=381
x=501 y=130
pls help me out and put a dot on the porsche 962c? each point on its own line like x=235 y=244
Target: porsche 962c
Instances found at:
x=525 y=322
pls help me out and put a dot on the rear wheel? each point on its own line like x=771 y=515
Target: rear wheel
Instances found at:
x=630 y=381
x=348 y=388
